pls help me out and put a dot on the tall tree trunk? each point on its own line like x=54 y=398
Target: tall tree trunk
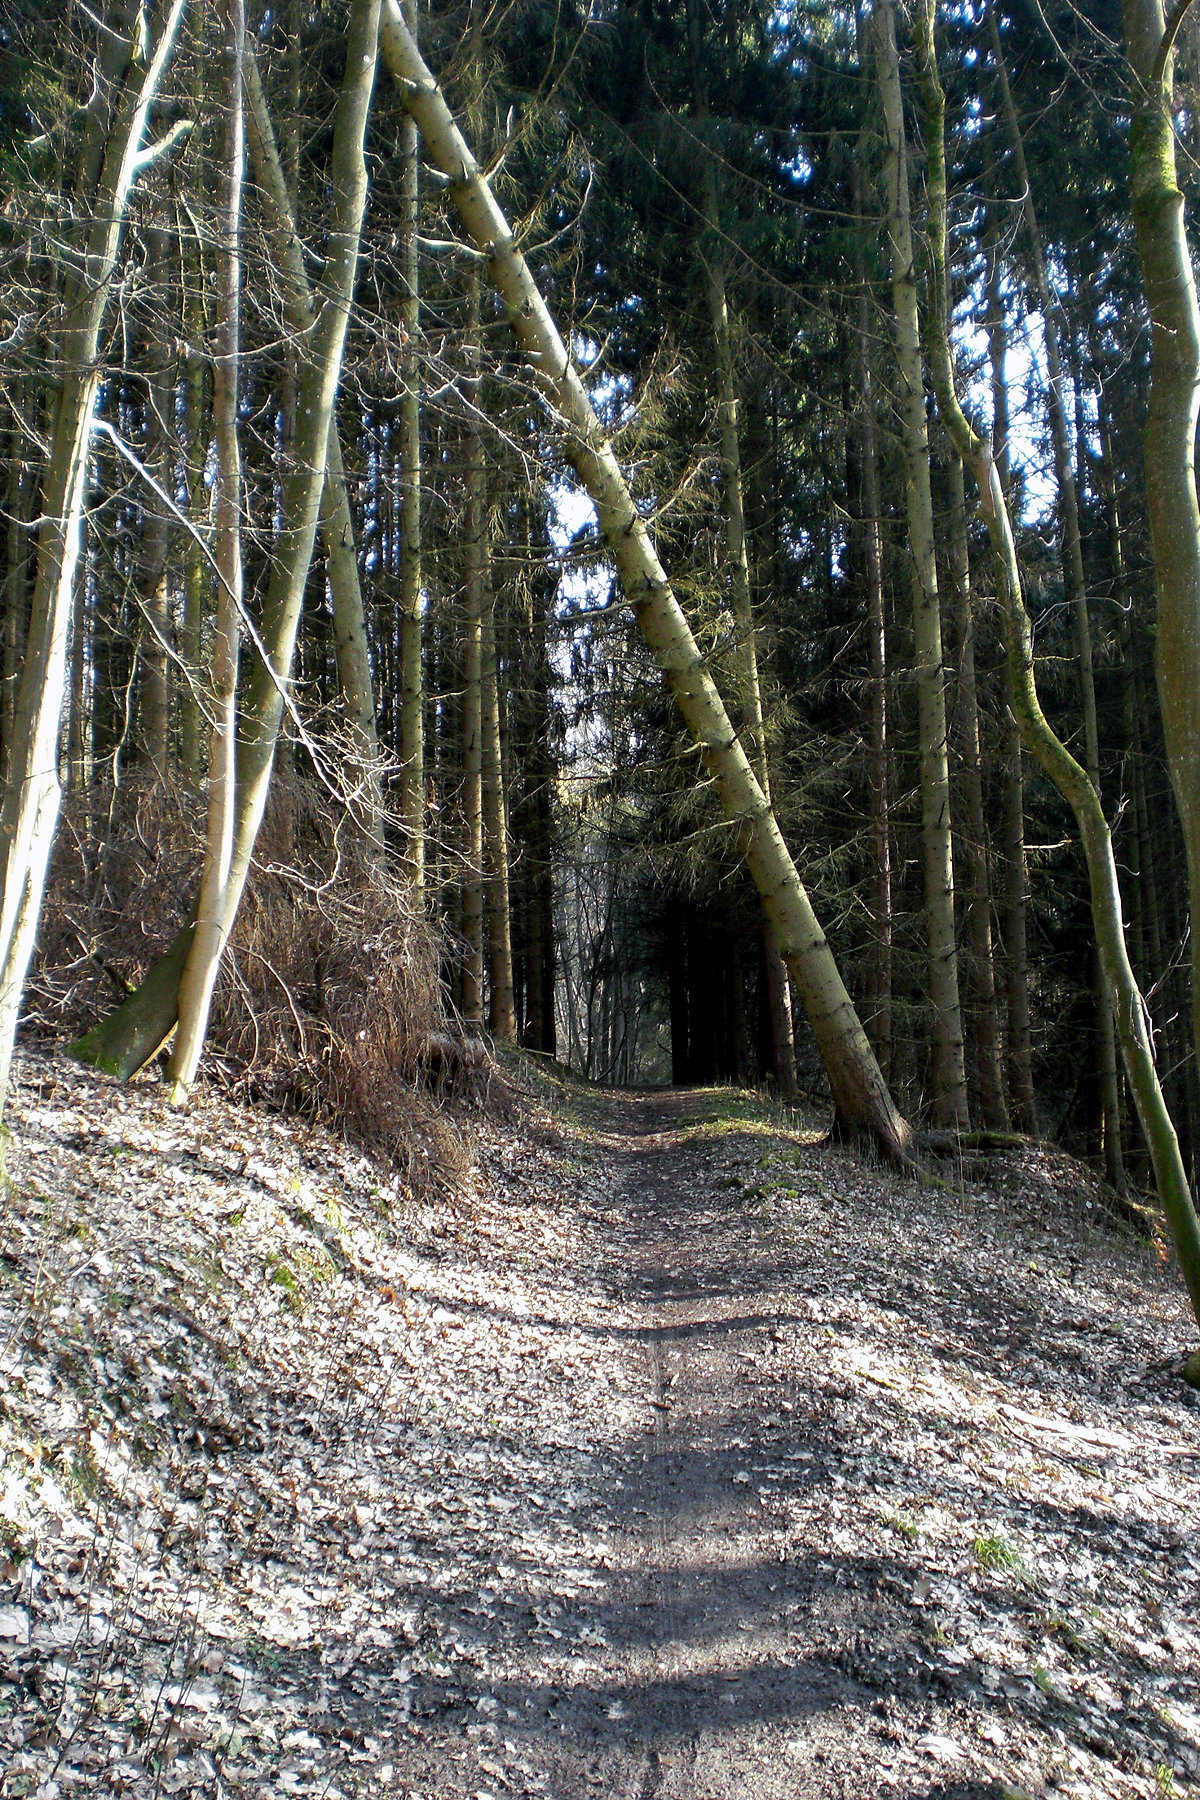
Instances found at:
x=737 y=558
x=412 y=687
x=949 y=1075
x=1052 y=756
x=194 y=567
x=501 y=1015
x=1170 y=441
x=154 y=700
x=199 y=974
x=992 y=1110
x=1015 y=891
x=32 y=795
x=16 y=574
x=879 y=987
x=863 y=1104
x=320 y=362
x=1073 y=577
x=475 y=583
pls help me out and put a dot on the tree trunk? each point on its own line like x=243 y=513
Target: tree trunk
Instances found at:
x=31 y=798
x=1055 y=760
x=412 y=690
x=1015 y=891
x=154 y=699
x=1170 y=425
x=474 y=591
x=879 y=985
x=992 y=1110
x=738 y=561
x=501 y=1014
x=194 y=567
x=199 y=974
x=949 y=1075
x=863 y=1104
x=1073 y=580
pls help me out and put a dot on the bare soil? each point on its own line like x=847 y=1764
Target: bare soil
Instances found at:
x=678 y=1454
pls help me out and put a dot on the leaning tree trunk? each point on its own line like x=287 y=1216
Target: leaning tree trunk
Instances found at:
x=949 y=1075
x=1051 y=754
x=861 y=1099
x=126 y=1040
x=31 y=797
x=1170 y=422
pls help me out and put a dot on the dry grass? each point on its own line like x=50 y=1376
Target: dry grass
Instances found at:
x=330 y=996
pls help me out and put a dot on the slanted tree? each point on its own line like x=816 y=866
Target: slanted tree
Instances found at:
x=862 y=1102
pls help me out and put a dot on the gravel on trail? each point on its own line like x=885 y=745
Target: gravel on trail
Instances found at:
x=678 y=1453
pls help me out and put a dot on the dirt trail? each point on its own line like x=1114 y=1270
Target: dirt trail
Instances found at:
x=709 y=1687
x=687 y=1458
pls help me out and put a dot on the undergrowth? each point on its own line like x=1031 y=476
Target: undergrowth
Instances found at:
x=329 y=998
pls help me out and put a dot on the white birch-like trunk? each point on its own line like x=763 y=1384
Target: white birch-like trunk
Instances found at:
x=29 y=812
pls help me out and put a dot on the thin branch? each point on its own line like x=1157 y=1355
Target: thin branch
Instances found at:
x=1171 y=31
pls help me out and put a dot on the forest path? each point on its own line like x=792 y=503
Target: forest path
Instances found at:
x=719 y=1693
x=672 y=1453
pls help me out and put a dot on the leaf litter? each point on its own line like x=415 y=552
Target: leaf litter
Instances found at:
x=674 y=1453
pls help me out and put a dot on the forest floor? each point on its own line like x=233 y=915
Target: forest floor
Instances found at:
x=678 y=1454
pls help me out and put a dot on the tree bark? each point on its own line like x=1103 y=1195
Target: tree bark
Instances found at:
x=199 y=974
x=501 y=1014
x=879 y=987
x=1167 y=272
x=992 y=1110
x=475 y=582
x=412 y=685
x=154 y=699
x=863 y=1104
x=949 y=1075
